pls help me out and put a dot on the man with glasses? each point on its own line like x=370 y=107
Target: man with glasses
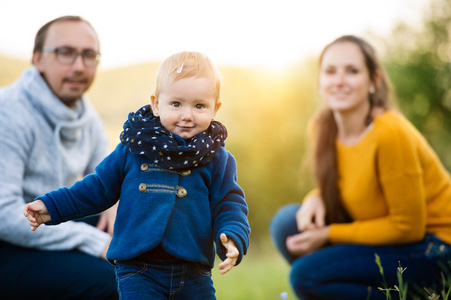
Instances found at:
x=51 y=136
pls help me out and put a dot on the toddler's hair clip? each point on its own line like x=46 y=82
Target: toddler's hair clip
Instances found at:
x=179 y=70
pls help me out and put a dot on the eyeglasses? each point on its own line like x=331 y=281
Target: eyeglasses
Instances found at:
x=68 y=55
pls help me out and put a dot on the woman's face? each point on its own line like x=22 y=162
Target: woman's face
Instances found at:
x=344 y=80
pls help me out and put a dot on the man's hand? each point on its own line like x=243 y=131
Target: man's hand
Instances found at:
x=106 y=220
x=232 y=254
x=105 y=250
x=36 y=213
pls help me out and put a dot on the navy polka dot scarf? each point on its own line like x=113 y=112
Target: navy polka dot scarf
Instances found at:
x=144 y=135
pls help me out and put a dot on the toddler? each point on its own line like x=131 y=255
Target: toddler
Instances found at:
x=177 y=186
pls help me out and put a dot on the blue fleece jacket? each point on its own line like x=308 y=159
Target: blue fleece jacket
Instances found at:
x=185 y=212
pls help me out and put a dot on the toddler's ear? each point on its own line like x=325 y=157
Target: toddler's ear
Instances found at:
x=154 y=104
x=218 y=105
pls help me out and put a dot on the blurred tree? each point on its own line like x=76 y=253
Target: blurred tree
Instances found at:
x=418 y=61
x=266 y=114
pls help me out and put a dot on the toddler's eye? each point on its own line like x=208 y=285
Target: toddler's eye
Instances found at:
x=176 y=104
x=199 y=106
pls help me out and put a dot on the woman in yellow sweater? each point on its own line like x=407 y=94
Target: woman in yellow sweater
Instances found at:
x=381 y=190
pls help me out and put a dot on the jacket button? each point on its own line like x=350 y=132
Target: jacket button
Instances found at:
x=142 y=187
x=186 y=172
x=181 y=192
x=144 y=167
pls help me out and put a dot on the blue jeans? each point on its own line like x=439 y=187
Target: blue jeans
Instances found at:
x=349 y=271
x=164 y=279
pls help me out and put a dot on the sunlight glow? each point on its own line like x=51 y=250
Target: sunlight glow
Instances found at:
x=265 y=33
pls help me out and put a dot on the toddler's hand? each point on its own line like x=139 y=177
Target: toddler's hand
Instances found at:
x=36 y=213
x=232 y=254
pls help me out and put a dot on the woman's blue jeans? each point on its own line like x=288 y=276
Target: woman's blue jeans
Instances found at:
x=349 y=271
x=164 y=279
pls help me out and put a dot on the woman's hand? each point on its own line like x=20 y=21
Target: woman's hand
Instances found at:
x=307 y=241
x=312 y=214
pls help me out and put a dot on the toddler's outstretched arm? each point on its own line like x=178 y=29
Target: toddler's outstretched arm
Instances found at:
x=232 y=254
x=36 y=213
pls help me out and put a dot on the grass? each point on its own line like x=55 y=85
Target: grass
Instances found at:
x=402 y=288
x=263 y=274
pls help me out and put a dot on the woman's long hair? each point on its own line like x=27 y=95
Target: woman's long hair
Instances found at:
x=325 y=133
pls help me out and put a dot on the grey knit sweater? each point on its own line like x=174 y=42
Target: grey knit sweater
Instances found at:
x=45 y=145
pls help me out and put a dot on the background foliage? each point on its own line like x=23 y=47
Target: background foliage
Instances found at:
x=418 y=60
x=267 y=111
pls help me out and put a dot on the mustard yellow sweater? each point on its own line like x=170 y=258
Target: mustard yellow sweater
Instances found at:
x=393 y=186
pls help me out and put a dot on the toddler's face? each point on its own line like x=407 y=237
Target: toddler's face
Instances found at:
x=186 y=106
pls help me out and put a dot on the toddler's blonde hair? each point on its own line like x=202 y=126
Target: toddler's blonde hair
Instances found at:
x=185 y=65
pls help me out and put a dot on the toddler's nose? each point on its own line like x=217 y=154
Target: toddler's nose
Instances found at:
x=187 y=115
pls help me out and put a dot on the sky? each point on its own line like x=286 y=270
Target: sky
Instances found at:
x=272 y=33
